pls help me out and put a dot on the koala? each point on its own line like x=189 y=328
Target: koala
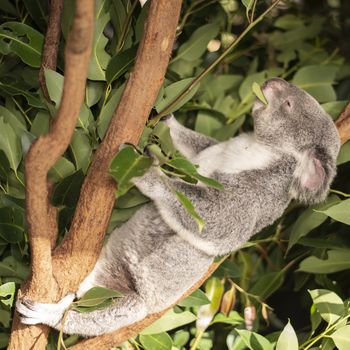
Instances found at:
x=160 y=253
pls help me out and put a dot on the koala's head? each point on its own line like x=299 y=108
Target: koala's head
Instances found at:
x=294 y=122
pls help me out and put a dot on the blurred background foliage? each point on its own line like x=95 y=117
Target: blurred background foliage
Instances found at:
x=297 y=269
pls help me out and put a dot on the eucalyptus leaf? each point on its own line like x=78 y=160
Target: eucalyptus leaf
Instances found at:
x=258 y=93
x=339 y=212
x=288 y=339
x=341 y=337
x=254 y=341
x=173 y=91
x=22 y=40
x=328 y=304
x=161 y=341
x=195 y=47
x=197 y=298
x=10 y=144
x=120 y=63
x=169 y=321
x=337 y=260
x=128 y=163
x=96 y=296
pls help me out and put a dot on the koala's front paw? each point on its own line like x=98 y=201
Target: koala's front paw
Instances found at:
x=32 y=312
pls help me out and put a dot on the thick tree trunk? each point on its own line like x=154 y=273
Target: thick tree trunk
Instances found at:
x=41 y=157
x=77 y=254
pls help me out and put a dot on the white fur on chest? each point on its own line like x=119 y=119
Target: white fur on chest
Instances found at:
x=233 y=156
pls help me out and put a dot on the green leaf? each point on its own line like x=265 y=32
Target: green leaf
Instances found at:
x=341 y=338
x=120 y=63
x=328 y=304
x=172 y=91
x=94 y=92
x=334 y=108
x=170 y=320
x=188 y=205
x=10 y=144
x=99 y=57
x=161 y=341
x=214 y=290
x=268 y=284
x=4 y=339
x=317 y=80
x=338 y=260
x=344 y=154
x=15 y=90
x=197 y=298
x=68 y=190
x=107 y=111
x=10 y=267
x=7 y=291
x=207 y=124
x=245 y=90
x=195 y=47
x=54 y=84
x=162 y=132
x=254 y=341
x=248 y=5
x=81 y=150
x=22 y=40
x=96 y=296
x=288 y=339
x=16 y=121
x=234 y=318
x=11 y=224
x=40 y=124
x=4 y=166
x=309 y=220
x=339 y=212
x=37 y=10
x=258 y=93
x=186 y=167
x=181 y=338
x=128 y=163
x=62 y=168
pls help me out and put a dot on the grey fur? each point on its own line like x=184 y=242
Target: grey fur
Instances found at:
x=159 y=253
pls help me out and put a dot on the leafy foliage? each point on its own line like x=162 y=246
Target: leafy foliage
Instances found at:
x=302 y=259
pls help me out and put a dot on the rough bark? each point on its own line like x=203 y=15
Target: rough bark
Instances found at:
x=52 y=40
x=42 y=155
x=77 y=254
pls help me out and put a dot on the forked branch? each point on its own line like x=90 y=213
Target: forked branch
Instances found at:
x=42 y=155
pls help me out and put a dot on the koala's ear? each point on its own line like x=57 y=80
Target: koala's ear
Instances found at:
x=312 y=176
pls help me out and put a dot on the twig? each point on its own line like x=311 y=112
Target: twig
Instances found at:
x=202 y=75
x=52 y=40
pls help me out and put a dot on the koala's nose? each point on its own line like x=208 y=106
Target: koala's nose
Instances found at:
x=275 y=83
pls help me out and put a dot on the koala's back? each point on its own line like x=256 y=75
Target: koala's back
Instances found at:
x=153 y=256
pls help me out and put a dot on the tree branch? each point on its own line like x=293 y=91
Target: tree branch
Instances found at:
x=343 y=124
x=42 y=155
x=52 y=40
x=79 y=251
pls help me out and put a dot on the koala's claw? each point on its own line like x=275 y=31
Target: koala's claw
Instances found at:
x=32 y=312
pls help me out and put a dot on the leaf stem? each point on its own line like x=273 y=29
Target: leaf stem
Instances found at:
x=195 y=81
x=197 y=339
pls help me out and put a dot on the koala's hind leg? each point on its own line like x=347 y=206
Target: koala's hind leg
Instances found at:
x=126 y=310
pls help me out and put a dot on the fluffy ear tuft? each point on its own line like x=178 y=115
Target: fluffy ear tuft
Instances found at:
x=312 y=176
